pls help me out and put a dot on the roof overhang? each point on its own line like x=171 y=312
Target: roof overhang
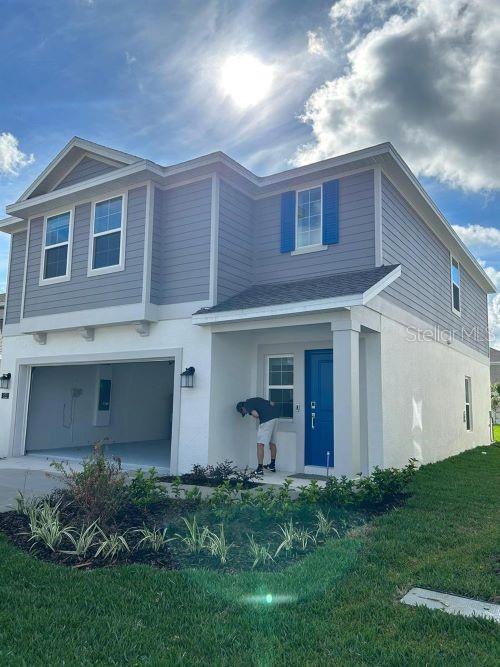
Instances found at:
x=297 y=307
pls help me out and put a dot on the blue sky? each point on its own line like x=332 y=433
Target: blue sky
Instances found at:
x=151 y=77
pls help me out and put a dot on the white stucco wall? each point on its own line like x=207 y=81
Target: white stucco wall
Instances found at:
x=191 y=344
x=140 y=407
x=423 y=396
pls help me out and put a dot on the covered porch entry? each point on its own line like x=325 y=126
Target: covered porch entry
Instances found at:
x=321 y=369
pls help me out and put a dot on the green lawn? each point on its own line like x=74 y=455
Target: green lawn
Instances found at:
x=496 y=432
x=337 y=606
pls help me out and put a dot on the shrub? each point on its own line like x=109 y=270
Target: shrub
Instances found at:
x=146 y=489
x=218 y=474
x=98 y=491
x=384 y=485
x=341 y=492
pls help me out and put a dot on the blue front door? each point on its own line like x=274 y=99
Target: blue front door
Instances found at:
x=319 y=408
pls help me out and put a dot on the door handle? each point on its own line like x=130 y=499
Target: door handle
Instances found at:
x=313 y=416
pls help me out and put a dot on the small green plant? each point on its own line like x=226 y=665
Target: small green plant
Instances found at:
x=83 y=540
x=146 y=489
x=287 y=533
x=310 y=493
x=325 y=526
x=27 y=506
x=98 y=491
x=112 y=545
x=217 y=545
x=193 y=495
x=260 y=553
x=152 y=539
x=45 y=525
x=196 y=538
x=176 y=488
x=303 y=538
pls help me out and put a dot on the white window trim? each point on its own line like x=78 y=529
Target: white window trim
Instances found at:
x=469 y=403
x=69 y=243
x=281 y=386
x=123 y=237
x=314 y=247
x=456 y=312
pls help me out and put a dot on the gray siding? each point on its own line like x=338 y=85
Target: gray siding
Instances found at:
x=235 y=268
x=16 y=277
x=355 y=249
x=83 y=292
x=87 y=168
x=181 y=271
x=424 y=287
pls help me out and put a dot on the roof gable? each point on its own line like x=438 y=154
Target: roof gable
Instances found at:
x=79 y=160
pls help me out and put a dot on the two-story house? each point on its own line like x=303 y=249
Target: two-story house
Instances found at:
x=336 y=289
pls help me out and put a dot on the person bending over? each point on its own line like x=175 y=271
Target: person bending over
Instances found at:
x=267 y=414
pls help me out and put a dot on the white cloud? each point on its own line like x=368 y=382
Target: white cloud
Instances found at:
x=478 y=236
x=12 y=159
x=422 y=74
x=316 y=44
x=130 y=59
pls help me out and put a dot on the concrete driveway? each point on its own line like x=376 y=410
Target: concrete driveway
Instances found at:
x=33 y=477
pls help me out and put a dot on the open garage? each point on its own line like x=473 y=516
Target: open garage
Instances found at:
x=127 y=407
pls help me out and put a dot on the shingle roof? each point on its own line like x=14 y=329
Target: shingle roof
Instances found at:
x=324 y=287
x=494 y=355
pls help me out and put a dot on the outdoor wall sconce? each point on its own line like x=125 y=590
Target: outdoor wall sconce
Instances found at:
x=187 y=377
x=5 y=380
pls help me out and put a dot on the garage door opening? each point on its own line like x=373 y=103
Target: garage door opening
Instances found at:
x=126 y=406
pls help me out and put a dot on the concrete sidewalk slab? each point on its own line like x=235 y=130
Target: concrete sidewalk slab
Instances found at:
x=452 y=604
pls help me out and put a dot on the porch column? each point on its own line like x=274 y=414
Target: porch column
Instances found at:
x=346 y=414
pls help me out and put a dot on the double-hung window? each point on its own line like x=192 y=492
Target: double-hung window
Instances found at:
x=57 y=232
x=107 y=236
x=455 y=286
x=280 y=384
x=309 y=218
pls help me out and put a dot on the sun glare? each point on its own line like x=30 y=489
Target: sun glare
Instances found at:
x=246 y=80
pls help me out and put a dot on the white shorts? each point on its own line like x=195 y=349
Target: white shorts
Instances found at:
x=268 y=432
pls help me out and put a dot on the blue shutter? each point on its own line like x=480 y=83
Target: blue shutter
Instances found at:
x=331 y=212
x=287 y=221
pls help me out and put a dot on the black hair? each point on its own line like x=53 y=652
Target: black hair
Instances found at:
x=240 y=406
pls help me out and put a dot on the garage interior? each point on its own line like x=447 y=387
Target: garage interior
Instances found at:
x=125 y=406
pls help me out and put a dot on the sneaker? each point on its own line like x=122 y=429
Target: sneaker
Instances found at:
x=271 y=467
x=259 y=471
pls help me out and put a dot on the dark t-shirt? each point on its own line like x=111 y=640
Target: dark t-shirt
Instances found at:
x=265 y=409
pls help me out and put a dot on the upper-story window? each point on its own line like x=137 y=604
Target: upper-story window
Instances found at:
x=455 y=286
x=309 y=215
x=107 y=236
x=57 y=231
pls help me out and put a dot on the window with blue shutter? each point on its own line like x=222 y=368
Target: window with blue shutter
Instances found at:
x=288 y=221
x=331 y=212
